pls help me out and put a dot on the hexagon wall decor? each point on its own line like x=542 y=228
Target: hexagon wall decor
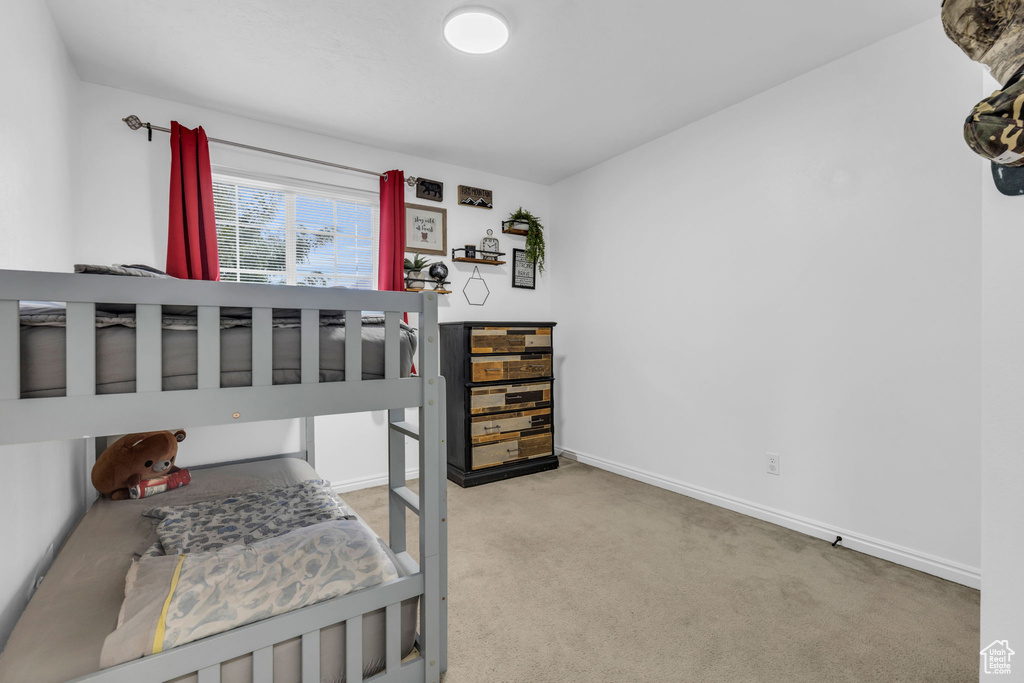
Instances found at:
x=476 y=290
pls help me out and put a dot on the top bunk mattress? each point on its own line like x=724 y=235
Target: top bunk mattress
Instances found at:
x=43 y=348
x=61 y=634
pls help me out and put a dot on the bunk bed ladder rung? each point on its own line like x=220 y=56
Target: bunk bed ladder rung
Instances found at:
x=10 y=351
x=263 y=665
x=311 y=657
x=210 y=674
x=408 y=498
x=354 y=650
x=406 y=428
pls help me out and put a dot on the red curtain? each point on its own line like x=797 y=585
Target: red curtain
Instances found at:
x=391 y=262
x=191 y=228
x=391 y=258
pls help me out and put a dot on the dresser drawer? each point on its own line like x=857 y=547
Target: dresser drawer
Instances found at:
x=523 y=448
x=484 y=400
x=490 y=428
x=509 y=339
x=497 y=368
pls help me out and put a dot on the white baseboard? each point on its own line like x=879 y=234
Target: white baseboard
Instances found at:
x=369 y=482
x=937 y=566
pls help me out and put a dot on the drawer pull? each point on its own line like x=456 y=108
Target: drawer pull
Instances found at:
x=536 y=418
x=513 y=397
x=492 y=369
x=512 y=450
x=486 y=428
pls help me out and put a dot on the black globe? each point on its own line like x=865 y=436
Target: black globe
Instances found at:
x=438 y=271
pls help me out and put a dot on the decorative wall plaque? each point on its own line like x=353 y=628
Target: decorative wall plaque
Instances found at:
x=426 y=229
x=524 y=271
x=429 y=189
x=474 y=196
x=476 y=290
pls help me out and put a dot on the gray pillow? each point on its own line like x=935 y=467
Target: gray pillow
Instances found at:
x=134 y=270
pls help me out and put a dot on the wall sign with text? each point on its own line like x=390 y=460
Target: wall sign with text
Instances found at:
x=474 y=196
x=426 y=229
x=524 y=271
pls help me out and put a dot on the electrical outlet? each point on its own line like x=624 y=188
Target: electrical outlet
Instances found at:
x=773 y=464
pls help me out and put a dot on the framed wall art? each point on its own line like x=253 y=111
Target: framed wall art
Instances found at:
x=426 y=229
x=429 y=189
x=524 y=271
x=475 y=196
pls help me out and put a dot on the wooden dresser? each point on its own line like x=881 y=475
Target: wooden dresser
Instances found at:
x=500 y=408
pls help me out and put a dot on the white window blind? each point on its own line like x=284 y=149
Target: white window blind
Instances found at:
x=290 y=232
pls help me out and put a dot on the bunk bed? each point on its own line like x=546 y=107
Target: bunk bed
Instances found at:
x=299 y=366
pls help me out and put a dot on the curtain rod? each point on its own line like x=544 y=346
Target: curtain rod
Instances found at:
x=133 y=122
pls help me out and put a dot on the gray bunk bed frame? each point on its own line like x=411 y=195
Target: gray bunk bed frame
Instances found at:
x=84 y=414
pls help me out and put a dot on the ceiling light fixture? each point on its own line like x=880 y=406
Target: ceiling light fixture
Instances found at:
x=476 y=30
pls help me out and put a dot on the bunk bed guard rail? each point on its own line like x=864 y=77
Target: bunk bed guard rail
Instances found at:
x=83 y=413
x=78 y=414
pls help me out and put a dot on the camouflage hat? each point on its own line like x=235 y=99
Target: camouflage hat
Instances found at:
x=988 y=31
x=995 y=127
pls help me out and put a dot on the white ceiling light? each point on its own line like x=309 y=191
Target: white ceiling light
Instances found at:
x=476 y=30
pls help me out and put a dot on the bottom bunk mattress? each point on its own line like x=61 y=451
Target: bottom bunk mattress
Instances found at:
x=75 y=611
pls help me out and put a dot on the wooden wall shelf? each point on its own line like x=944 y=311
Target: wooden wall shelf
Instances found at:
x=509 y=228
x=463 y=259
x=438 y=291
x=489 y=262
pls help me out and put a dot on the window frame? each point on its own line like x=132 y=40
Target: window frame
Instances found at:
x=297 y=186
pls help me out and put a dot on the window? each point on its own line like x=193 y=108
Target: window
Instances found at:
x=291 y=232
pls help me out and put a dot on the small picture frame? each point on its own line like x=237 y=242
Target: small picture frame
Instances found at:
x=426 y=229
x=524 y=271
x=476 y=196
x=429 y=189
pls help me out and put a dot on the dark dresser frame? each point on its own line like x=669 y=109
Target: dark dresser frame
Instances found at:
x=457 y=359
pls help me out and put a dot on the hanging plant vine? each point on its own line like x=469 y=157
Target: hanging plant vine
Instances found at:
x=534 y=236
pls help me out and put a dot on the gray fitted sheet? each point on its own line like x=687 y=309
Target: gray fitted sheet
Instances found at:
x=43 y=371
x=60 y=635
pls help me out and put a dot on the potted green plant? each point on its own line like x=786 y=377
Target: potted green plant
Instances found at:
x=522 y=222
x=413 y=276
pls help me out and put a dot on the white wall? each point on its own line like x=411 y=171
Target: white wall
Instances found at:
x=1002 y=555
x=40 y=493
x=122 y=218
x=801 y=275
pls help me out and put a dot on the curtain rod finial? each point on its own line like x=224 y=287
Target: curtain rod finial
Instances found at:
x=132 y=121
x=411 y=181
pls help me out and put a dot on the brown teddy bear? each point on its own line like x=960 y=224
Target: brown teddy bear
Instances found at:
x=139 y=465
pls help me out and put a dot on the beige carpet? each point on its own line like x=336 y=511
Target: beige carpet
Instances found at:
x=582 y=575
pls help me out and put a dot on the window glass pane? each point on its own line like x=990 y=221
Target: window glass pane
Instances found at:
x=273 y=233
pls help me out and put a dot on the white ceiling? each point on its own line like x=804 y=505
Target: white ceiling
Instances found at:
x=579 y=82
